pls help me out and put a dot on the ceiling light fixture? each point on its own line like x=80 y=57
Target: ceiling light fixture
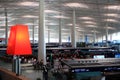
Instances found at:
x=64 y=17
x=92 y=26
x=75 y=5
x=51 y=24
x=110 y=20
x=89 y=34
x=80 y=30
x=29 y=24
x=112 y=15
x=51 y=11
x=2 y=29
x=77 y=27
x=110 y=28
x=27 y=3
x=30 y=16
x=86 y=18
x=89 y=22
x=48 y=29
x=65 y=29
x=113 y=7
x=72 y=24
x=95 y=31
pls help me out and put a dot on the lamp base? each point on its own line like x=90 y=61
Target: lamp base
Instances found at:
x=16 y=65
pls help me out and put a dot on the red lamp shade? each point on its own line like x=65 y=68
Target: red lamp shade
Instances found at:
x=18 y=42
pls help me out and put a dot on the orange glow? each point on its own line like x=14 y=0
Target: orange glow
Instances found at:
x=19 y=43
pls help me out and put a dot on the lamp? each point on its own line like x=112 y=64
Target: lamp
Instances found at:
x=19 y=43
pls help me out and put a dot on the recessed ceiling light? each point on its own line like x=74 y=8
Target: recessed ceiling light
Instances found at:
x=61 y=17
x=110 y=28
x=91 y=26
x=27 y=3
x=110 y=20
x=112 y=15
x=29 y=24
x=72 y=24
x=30 y=30
x=30 y=16
x=51 y=24
x=81 y=30
x=86 y=18
x=65 y=29
x=69 y=24
x=89 y=34
x=65 y=33
x=48 y=29
x=2 y=29
x=36 y=26
x=75 y=5
x=95 y=31
x=77 y=27
x=51 y=11
x=2 y=17
x=89 y=22
x=114 y=7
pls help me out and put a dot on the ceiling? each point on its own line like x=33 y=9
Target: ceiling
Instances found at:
x=91 y=16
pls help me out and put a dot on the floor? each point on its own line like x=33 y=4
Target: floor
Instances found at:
x=29 y=72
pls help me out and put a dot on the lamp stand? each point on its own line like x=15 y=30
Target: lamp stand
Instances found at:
x=16 y=65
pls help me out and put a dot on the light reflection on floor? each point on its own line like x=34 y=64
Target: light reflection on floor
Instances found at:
x=32 y=74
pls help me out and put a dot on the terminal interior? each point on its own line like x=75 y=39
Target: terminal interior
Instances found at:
x=72 y=39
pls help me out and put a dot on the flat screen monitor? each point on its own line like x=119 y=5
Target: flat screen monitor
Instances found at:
x=117 y=55
x=99 y=56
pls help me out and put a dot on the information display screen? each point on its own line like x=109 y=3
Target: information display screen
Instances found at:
x=99 y=56
x=117 y=55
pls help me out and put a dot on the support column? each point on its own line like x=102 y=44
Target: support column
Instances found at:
x=111 y=37
x=33 y=32
x=60 y=28
x=68 y=39
x=6 y=27
x=48 y=36
x=94 y=40
x=106 y=37
x=83 y=37
x=41 y=35
x=94 y=37
x=73 y=33
x=86 y=38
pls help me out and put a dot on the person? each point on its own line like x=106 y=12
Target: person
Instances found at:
x=41 y=64
x=45 y=72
